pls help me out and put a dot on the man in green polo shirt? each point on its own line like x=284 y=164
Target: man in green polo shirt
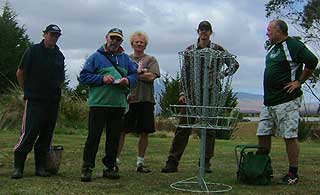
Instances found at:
x=283 y=76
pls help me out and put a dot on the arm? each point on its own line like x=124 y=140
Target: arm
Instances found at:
x=310 y=60
x=233 y=64
x=62 y=72
x=20 y=77
x=184 y=72
x=151 y=73
x=147 y=76
x=132 y=74
x=89 y=75
x=23 y=67
x=306 y=73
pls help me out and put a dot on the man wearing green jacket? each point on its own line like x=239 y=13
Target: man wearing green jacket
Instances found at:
x=110 y=73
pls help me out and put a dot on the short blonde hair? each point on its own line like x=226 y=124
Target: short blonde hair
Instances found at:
x=139 y=33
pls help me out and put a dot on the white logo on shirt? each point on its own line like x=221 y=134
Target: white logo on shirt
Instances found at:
x=274 y=53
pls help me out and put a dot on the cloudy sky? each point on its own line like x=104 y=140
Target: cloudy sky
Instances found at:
x=239 y=26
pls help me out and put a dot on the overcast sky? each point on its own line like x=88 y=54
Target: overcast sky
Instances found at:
x=239 y=26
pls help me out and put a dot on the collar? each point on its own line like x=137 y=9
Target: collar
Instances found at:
x=44 y=46
x=207 y=46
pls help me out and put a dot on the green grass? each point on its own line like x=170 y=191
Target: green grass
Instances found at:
x=224 y=166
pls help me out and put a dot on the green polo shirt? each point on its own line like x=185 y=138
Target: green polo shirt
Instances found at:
x=284 y=63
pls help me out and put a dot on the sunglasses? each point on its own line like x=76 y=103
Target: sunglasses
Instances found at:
x=116 y=38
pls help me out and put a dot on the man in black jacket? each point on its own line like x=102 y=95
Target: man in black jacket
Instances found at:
x=40 y=74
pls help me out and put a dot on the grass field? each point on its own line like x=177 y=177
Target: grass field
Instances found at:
x=224 y=166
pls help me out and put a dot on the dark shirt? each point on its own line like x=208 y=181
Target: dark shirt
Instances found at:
x=43 y=72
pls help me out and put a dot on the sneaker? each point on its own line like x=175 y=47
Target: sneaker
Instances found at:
x=86 y=175
x=111 y=173
x=142 y=169
x=289 y=179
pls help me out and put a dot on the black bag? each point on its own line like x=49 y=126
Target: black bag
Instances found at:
x=54 y=159
x=253 y=167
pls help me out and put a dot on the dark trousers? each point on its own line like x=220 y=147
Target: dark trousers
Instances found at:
x=38 y=123
x=99 y=118
x=180 y=142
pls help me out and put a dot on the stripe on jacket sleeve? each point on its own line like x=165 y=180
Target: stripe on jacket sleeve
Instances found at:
x=293 y=66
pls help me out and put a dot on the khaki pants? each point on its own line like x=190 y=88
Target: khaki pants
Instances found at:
x=180 y=142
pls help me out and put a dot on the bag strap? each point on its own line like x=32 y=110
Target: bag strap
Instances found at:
x=112 y=62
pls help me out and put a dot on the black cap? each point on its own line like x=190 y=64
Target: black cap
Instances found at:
x=205 y=25
x=53 y=28
x=116 y=32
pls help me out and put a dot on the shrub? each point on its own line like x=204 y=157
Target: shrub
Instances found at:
x=73 y=113
x=72 y=117
x=12 y=106
x=165 y=123
x=308 y=130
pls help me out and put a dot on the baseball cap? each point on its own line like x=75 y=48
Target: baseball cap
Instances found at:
x=205 y=25
x=53 y=28
x=116 y=32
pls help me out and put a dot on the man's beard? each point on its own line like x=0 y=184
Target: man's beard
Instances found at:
x=113 y=47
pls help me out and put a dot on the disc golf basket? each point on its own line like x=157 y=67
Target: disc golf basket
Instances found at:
x=206 y=77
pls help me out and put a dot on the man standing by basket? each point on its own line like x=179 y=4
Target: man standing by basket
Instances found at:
x=181 y=137
x=283 y=76
x=41 y=75
x=109 y=72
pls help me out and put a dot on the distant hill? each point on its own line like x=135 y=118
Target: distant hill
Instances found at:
x=251 y=103
x=248 y=102
x=249 y=96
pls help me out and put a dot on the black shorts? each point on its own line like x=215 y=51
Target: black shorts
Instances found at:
x=139 y=118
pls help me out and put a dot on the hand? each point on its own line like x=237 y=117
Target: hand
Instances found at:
x=129 y=98
x=124 y=81
x=141 y=71
x=218 y=75
x=182 y=99
x=290 y=87
x=108 y=79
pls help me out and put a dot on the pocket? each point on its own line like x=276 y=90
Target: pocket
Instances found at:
x=292 y=105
